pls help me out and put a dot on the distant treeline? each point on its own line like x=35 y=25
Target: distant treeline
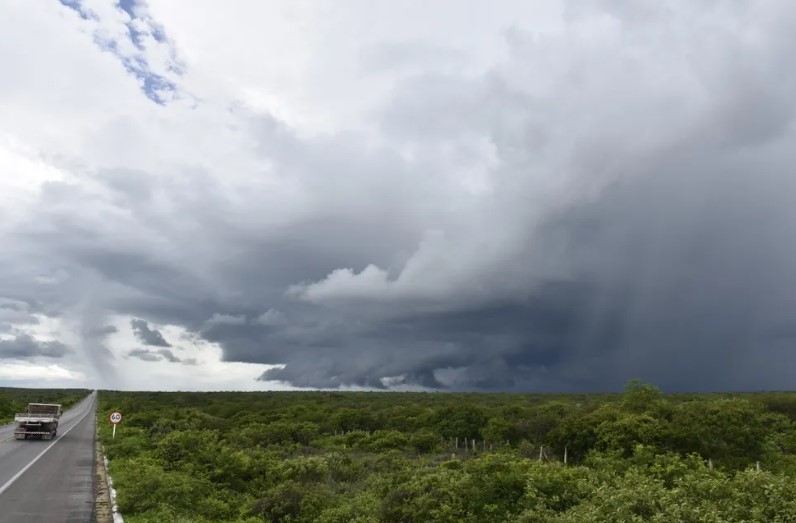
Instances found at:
x=14 y=400
x=453 y=457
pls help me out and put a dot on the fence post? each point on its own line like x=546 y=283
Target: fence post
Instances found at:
x=565 y=454
x=541 y=452
x=710 y=463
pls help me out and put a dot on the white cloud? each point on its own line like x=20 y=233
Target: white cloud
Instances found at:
x=23 y=371
x=201 y=365
x=303 y=61
x=371 y=283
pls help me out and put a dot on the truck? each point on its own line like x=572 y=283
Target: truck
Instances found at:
x=39 y=422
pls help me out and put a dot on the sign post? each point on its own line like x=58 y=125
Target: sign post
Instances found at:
x=116 y=418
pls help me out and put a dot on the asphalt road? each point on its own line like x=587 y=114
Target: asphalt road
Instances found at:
x=50 y=480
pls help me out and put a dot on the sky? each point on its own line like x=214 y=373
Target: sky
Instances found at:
x=452 y=195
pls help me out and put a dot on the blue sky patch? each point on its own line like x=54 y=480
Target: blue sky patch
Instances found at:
x=156 y=87
x=76 y=6
x=128 y=6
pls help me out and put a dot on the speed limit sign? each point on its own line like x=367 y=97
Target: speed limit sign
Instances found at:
x=116 y=418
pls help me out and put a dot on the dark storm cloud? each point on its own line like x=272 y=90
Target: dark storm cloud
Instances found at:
x=496 y=346
x=147 y=335
x=683 y=279
x=691 y=266
x=25 y=346
x=679 y=271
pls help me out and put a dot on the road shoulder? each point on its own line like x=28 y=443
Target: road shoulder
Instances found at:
x=103 y=510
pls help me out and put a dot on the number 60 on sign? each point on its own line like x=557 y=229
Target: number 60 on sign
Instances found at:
x=116 y=418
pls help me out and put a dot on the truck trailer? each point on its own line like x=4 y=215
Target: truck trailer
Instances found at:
x=39 y=422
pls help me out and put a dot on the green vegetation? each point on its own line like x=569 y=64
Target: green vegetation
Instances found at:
x=16 y=400
x=333 y=457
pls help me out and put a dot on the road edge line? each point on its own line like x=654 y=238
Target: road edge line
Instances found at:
x=42 y=453
x=117 y=516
